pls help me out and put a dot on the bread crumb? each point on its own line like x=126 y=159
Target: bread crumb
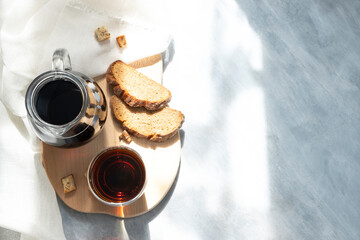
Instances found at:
x=125 y=136
x=102 y=33
x=121 y=40
x=68 y=183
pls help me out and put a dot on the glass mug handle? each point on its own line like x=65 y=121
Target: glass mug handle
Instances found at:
x=61 y=60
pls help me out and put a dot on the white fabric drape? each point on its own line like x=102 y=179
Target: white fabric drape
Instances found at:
x=31 y=30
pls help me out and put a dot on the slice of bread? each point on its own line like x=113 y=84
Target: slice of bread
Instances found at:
x=156 y=126
x=136 y=89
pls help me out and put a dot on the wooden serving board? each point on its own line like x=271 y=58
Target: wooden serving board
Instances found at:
x=161 y=159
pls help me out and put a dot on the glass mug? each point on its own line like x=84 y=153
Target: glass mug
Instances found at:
x=65 y=108
x=117 y=176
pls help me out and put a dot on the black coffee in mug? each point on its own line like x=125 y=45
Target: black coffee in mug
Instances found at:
x=58 y=102
x=65 y=108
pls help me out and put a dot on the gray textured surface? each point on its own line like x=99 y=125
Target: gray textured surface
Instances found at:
x=312 y=87
x=308 y=185
x=6 y=234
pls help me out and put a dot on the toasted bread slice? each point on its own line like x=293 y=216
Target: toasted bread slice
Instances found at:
x=156 y=126
x=136 y=89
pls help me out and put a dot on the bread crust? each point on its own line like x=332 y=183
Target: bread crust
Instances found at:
x=110 y=77
x=131 y=100
x=121 y=41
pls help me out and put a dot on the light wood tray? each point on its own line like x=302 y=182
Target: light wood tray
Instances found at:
x=161 y=159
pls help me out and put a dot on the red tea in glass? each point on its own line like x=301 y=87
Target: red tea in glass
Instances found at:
x=117 y=176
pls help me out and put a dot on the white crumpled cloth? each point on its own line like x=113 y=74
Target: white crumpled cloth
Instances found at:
x=31 y=30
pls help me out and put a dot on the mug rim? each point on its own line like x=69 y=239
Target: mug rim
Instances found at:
x=115 y=204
